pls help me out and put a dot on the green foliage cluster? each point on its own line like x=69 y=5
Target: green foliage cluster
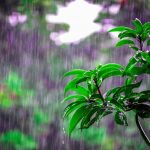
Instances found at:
x=90 y=105
x=18 y=140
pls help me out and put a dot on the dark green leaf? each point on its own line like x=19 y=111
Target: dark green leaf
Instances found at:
x=148 y=42
x=120 y=118
x=92 y=116
x=126 y=89
x=134 y=48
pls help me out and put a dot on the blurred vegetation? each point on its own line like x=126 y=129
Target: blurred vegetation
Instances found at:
x=31 y=72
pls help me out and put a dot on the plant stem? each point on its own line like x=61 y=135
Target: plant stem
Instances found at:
x=98 y=89
x=142 y=132
x=140 y=43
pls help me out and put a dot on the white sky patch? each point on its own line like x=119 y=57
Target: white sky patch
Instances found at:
x=80 y=16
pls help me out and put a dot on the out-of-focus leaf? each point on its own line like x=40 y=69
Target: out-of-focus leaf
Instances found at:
x=39 y=117
x=15 y=83
x=18 y=140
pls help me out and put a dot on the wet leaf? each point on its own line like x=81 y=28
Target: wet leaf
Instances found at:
x=120 y=118
x=124 y=42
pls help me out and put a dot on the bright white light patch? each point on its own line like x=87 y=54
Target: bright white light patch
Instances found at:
x=80 y=16
x=16 y=18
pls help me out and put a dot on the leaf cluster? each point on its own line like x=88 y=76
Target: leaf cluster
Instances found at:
x=88 y=104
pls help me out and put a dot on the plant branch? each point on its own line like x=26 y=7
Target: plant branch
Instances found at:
x=140 y=43
x=98 y=89
x=143 y=134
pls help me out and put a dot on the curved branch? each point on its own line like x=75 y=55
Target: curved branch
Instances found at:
x=143 y=134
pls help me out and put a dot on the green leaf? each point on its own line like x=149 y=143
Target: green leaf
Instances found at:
x=144 y=36
x=78 y=97
x=146 y=56
x=119 y=29
x=81 y=90
x=120 y=118
x=109 y=66
x=109 y=70
x=127 y=34
x=111 y=73
x=132 y=63
x=127 y=89
x=70 y=85
x=146 y=27
x=78 y=72
x=91 y=117
x=77 y=117
x=134 y=48
x=148 y=42
x=139 y=27
x=124 y=42
x=111 y=91
x=73 y=106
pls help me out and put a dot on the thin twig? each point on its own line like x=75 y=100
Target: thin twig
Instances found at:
x=140 y=43
x=98 y=89
x=143 y=134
